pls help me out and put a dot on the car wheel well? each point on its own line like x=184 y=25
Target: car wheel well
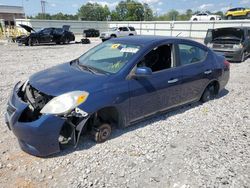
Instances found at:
x=131 y=34
x=108 y=115
x=113 y=35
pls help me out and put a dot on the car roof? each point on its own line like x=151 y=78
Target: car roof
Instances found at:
x=147 y=39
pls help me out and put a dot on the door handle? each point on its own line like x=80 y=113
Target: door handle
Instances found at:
x=173 y=81
x=208 y=72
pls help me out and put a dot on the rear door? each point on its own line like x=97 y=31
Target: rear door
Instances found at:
x=196 y=70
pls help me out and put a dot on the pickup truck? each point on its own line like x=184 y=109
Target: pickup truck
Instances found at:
x=118 y=32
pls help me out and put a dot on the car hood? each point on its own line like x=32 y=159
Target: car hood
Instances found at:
x=65 y=78
x=27 y=28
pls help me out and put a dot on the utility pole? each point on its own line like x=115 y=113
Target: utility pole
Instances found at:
x=43 y=8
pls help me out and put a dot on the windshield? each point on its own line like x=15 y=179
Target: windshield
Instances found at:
x=108 y=57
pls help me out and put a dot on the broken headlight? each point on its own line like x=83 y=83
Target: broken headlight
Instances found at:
x=65 y=103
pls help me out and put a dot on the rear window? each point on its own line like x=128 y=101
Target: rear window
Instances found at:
x=131 y=28
x=190 y=54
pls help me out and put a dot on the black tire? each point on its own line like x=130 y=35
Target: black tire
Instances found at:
x=113 y=36
x=248 y=15
x=212 y=19
x=102 y=133
x=243 y=57
x=131 y=34
x=195 y=19
x=208 y=94
x=32 y=42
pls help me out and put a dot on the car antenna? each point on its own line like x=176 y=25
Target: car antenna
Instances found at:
x=178 y=34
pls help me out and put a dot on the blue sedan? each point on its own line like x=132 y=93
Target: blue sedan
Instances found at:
x=115 y=84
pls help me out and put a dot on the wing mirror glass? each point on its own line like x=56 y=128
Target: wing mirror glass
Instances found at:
x=142 y=72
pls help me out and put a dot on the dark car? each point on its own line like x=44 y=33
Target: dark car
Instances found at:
x=91 y=33
x=46 y=35
x=117 y=83
x=233 y=42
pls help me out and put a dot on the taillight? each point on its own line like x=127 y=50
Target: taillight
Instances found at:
x=227 y=64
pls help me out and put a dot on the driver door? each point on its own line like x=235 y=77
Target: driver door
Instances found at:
x=161 y=90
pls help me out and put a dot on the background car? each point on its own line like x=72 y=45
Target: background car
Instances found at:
x=117 y=83
x=46 y=35
x=91 y=33
x=238 y=13
x=118 y=32
x=203 y=16
x=232 y=42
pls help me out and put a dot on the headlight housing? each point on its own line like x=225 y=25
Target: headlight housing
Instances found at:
x=237 y=46
x=65 y=103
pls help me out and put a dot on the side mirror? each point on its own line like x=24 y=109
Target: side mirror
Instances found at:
x=142 y=72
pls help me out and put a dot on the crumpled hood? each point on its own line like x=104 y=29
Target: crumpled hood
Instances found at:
x=65 y=78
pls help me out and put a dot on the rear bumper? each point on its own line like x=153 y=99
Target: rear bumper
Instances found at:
x=232 y=55
x=39 y=137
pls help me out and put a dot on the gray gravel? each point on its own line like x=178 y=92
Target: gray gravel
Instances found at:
x=200 y=145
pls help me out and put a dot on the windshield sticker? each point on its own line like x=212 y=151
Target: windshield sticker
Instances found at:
x=129 y=50
x=115 y=46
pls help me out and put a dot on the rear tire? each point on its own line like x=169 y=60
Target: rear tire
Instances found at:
x=102 y=133
x=212 y=19
x=195 y=19
x=208 y=94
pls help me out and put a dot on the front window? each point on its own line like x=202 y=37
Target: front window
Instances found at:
x=108 y=57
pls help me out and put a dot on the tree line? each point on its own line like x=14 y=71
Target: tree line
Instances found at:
x=128 y=10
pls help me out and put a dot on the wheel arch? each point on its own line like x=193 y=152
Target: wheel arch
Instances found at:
x=214 y=82
x=110 y=114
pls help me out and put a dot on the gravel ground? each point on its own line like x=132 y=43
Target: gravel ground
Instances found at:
x=200 y=145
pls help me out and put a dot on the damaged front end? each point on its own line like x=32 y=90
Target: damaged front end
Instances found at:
x=43 y=123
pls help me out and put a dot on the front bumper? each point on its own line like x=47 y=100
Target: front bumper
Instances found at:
x=39 y=137
x=230 y=55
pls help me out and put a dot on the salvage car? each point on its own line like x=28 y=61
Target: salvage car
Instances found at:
x=118 y=32
x=46 y=35
x=239 y=12
x=91 y=33
x=115 y=84
x=232 y=42
x=204 y=16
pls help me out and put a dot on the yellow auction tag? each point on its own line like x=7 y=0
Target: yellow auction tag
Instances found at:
x=114 y=46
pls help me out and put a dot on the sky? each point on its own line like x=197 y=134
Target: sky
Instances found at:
x=32 y=7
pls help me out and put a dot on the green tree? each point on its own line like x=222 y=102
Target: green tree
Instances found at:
x=131 y=10
x=148 y=12
x=93 y=12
